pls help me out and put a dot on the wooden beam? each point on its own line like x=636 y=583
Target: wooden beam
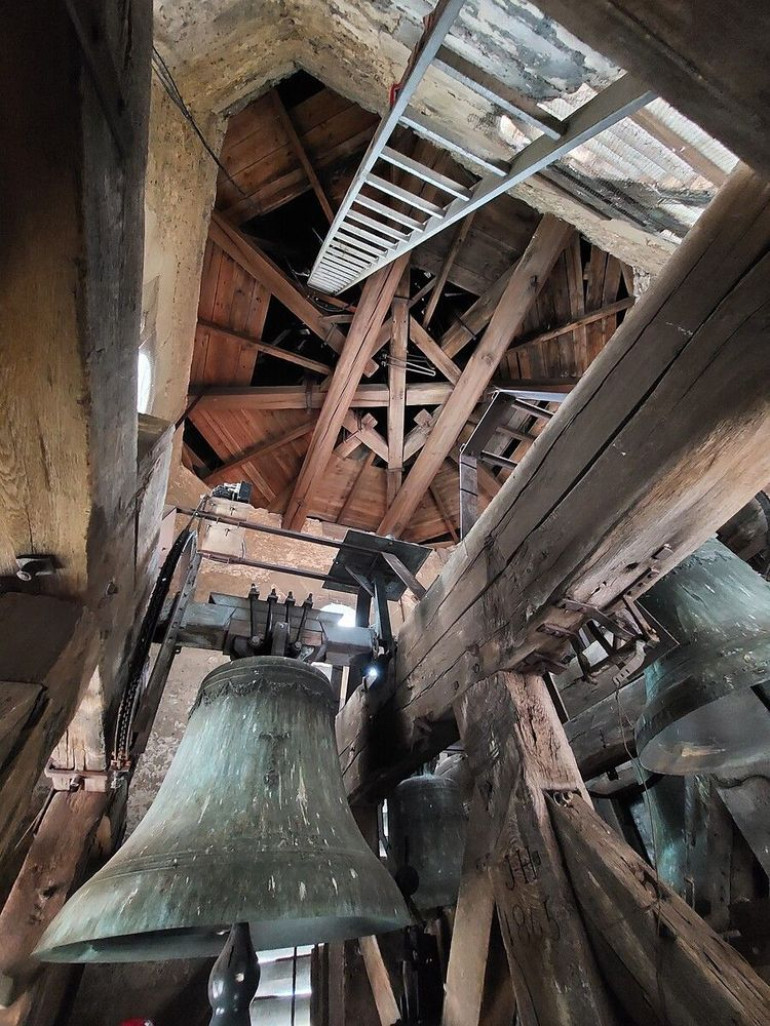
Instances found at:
x=469 y=950
x=712 y=75
x=255 y=452
x=376 y=296
x=364 y=428
x=399 y=343
x=444 y=513
x=264 y=347
x=686 y=973
x=379 y=980
x=439 y=282
x=444 y=364
x=52 y=869
x=415 y=440
x=578 y=322
x=602 y=737
x=251 y=259
x=683 y=148
x=517 y=753
x=522 y=290
x=606 y=499
x=301 y=154
x=476 y=317
x=312 y=397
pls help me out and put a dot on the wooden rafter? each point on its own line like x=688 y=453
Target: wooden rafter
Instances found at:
x=301 y=154
x=248 y=256
x=366 y=462
x=444 y=513
x=521 y=291
x=441 y=278
x=476 y=317
x=262 y=449
x=271 y=350
x=609 y=310
x=414 y=441
x=428 y=347
x=375 y=299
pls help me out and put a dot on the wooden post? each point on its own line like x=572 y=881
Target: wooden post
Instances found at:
x=517 y=751
x=687 y=975
x=469 y=950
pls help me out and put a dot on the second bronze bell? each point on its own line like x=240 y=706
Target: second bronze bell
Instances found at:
x=251 y=825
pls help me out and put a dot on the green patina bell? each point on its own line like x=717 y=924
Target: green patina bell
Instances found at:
x=708 y=699
x=251 y=825
x=426 y=833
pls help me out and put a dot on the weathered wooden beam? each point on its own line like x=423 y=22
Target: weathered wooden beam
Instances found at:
x=687 y=974
x=476 y=317
x=415 y=440
x=365 y=464
x=440 y=280
x=376 y=297
x=605 y=500
x=748 y=802
x=301 y=154
x=379 y=980
x=269 y=445
x=264 y=347
x=517 y=752
x=704 y=58
x=520 y=293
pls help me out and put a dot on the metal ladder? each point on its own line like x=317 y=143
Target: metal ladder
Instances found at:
x=368 y=234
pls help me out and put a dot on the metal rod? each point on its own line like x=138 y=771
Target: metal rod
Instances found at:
x=276 y=568
x=497 y=461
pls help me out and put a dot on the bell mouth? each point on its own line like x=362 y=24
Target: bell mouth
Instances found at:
x=164 y=945
x=722 y=737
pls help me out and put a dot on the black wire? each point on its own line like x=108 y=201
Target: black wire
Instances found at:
x=166 y=79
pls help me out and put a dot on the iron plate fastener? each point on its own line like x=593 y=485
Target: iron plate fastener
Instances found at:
x=32 y=566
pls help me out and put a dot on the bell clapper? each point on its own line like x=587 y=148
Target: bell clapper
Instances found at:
x=234 y=979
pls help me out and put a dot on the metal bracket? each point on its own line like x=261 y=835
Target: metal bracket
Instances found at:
x=78 y=780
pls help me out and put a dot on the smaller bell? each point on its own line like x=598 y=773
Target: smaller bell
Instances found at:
x=708 y=698
x=426 y=833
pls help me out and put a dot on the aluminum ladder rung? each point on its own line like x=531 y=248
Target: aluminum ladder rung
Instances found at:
x=410 y=198
x=443 y=138
x=378 y=226
x=394 y=215
x=427 y=174
x=350 y=227
x=360 y=244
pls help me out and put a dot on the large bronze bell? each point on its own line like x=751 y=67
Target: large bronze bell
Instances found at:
x=708 y=699
x=426 y=834
x=251 y=825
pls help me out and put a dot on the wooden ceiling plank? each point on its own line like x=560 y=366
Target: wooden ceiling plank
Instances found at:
x=299 y=150
x=241 y=249
x=522 y=289
x=349 y=498
x=441 y=278
x=376 y=296
x=263 y=448
x=433 y=351
x=610 y=310
x=270 y=350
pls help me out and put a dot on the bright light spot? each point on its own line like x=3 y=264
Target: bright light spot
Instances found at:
x=144 y=382
x=372 y=674
x=348 y=614
x=510 y=132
